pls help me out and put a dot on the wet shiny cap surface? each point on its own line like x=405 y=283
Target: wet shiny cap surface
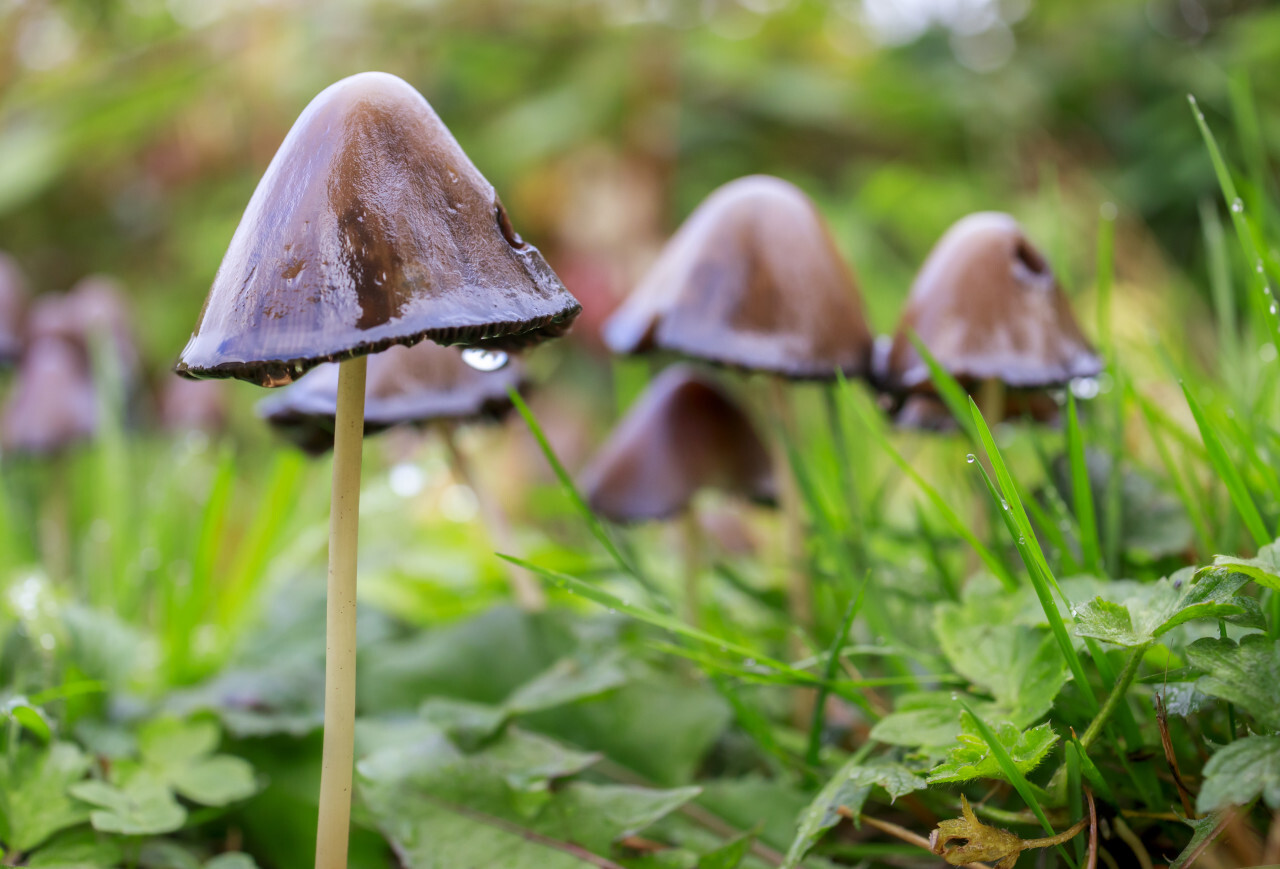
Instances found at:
x=416 y=384
x=370 y=228
x=13 y=304
x=988 y=306
x=683 y=434
x=752 y=280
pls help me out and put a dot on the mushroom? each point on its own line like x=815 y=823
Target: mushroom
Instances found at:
x=13 y=304
x=753 y=280
x=192 y=405
x=416 y=385
x=989 y=309
x=52 y=408
x=371 y=227
x=684 y=434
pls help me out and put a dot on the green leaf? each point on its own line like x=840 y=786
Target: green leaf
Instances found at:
x=78 y=849
x=180 y=754
x=728 y=856
x=567 y=681
x=1022 y=668
x=845 y=788
x=440 y=807
x=1264 y=568
x=1227 y=469
x=1149 y=610
x=144 y=806
x=973 y=757
x=1246 y=675
x=34 y=803
x=1204 y=831
x=1241 y=772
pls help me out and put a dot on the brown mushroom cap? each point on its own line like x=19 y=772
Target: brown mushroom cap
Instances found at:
x=416 y=384
x=370 y=228
x=683 y=434
x=54 y=403
x=987 y=306
x=752 y=279
x=13 y=305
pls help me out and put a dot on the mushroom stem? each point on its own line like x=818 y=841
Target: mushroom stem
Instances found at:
x=340 y=650
x=691 y=551
x=799 y=599
x=527 y=591
x=991 y=400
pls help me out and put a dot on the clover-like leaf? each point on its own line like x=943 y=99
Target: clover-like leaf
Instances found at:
x=180 y=754
x=142 y=806
x=1142 y=612
x=1246 y=674
x=34 y=803
x=972 y=757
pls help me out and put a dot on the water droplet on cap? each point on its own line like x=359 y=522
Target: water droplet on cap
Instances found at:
x=482 y=359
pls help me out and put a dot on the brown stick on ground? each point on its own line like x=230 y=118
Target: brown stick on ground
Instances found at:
x=897 y=832
x=1184 y=794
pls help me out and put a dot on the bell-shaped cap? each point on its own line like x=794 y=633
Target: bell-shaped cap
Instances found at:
x=416 y=384
x=54 y=403
x=752 y=279
x=683 y=434
x=13 y=308
x=99 y=308
x=370 y=228
x=987 y=306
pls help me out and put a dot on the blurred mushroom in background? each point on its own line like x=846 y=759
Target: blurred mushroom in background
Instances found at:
x=192 y=405
x=754 y=280
x=13 y=309
x=683 y=434
x=989 y=309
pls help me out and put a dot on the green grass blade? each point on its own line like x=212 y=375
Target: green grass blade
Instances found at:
x=627 y=565
x=1042 y=579
x=1082 y=491
x=1011 y=772
x=813 y=753
x=1190 y=502
x=1261 y=300
x=1228 y=472
x=949 y=389
x=988 y=558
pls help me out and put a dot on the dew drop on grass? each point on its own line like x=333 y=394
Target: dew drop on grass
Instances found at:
x=407 y=479
x=1004 y=505
x=1085 y=388
x=1267 y=352
x=971 y=458
x=1237 y=205
x=1021 y=540
x=484 y=360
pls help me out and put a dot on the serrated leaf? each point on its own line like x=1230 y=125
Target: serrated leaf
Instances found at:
x=728 y=856
x=446 y=808
x=927 y=718
x=1263 y=568
x=1247 y=675
x=848 y=788
x=972 y=758
x=1143 y=612
x=144 y=806
x=34 y=802
x=1022 y=668
x=1241 y=772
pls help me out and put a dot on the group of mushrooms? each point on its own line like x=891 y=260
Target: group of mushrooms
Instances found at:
x=372 y=240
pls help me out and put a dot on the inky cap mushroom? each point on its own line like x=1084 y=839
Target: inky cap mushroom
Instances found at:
x=13 y=304
x=683 y=434
x=752 y=279
x=988 y=307
x=54 y=403
x=193 y=405
x=416 y=384
x=371 y=227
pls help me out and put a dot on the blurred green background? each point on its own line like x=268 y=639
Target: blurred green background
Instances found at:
x=132 y=132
